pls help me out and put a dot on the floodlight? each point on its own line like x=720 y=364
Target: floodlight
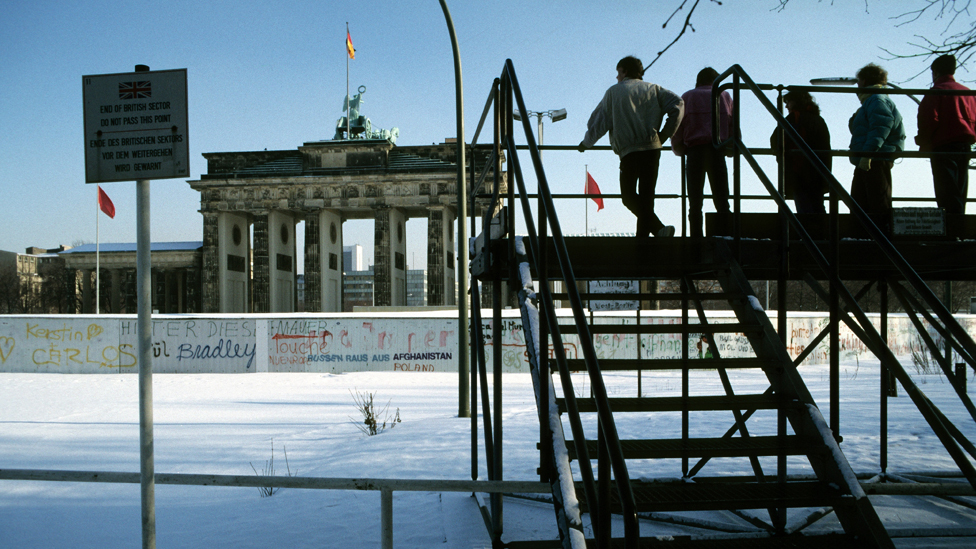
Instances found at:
x=558 y=114
x=834 y=81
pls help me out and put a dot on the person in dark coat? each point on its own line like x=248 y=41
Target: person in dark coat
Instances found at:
x=804 y=184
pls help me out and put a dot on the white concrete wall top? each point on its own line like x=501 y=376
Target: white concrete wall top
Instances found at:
x=400 y=341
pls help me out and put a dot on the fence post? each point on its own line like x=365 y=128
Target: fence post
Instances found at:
x=386 y=518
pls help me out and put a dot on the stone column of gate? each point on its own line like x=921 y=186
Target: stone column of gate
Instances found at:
x=262 y=266
x=440 y=256
x=233 y=263
x=281 y=257
x=330 y=260
x=313 y=263
x=389 y=257
x=210 y=279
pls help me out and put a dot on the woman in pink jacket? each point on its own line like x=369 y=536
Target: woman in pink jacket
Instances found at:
x=693 y=140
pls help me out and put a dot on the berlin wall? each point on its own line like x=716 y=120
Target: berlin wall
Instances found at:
x=396 y=342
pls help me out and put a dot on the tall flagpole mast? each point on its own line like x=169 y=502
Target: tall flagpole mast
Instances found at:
x=347 y=84
x=586 y=182
x=98 y=273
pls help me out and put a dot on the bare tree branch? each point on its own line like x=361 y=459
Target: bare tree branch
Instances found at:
x=962 y=44
x=955 y=13
x=684 y=27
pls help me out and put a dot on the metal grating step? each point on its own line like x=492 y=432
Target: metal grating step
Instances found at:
x=791 y=445
x=795 y=541
x=653 y=497
x=653 y=296
x=661 y=328
x=630 y=364
x=677 y=404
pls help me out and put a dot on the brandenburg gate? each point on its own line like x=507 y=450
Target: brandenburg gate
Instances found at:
x=323 y=183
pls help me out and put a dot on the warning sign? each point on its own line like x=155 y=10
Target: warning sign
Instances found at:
x=918 y=221
x=136 y=126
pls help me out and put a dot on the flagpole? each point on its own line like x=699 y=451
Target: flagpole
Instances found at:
x=586 y=174
x=98 y=274
x=348 y=123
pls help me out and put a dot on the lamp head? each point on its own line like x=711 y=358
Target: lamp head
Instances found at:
x=558 y=114
x=834 y=81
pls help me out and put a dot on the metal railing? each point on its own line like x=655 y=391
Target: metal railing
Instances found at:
x=951 y=437
x=505 y=96
x=386 y=486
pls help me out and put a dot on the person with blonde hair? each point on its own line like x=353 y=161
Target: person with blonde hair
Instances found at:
x=876 y=127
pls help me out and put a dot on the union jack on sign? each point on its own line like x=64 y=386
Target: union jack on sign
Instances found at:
x=135 y=90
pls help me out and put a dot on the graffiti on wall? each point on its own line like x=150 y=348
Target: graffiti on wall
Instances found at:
x=354 y=344
x=86 y=344
x=198 y=345
x=40 y=344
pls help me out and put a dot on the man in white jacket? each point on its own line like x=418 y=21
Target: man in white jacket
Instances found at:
x=632 y=111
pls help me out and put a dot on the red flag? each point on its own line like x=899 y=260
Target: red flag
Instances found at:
x=349 y=49
x=593 y=190
x=105 y=203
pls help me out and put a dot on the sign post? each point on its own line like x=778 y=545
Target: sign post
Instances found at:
x=136 y=128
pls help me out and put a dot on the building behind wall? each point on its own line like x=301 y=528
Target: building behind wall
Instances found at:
x=175 y=277
x=352 y=258
x=357 y=289
x=34 y=282
x=417 y=288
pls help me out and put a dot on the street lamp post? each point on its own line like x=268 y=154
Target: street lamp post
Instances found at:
x=555 y=115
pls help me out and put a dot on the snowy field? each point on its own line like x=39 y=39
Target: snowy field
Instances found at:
x=226 y=423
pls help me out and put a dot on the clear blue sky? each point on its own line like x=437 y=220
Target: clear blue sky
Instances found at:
x=271 y=75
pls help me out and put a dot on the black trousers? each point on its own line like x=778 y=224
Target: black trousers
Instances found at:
x=702 y=160
x=872 y=192
x=638 y=179
x=950 y=175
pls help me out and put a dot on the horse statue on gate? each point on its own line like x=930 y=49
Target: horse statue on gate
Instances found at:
x=358 y=126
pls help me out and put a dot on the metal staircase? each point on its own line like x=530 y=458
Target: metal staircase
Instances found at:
x=799 y=429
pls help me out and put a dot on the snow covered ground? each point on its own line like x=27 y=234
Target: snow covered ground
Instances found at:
x=227 y=423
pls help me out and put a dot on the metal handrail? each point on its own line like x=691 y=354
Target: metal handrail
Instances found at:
x=893 y=255
x=386 y=486
x=547 y=210
x=925 y=406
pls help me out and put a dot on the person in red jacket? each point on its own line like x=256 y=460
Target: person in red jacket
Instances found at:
x=947 y=124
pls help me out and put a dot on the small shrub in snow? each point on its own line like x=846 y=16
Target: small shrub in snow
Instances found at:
x=373 y=422
x=269 y=471
x=921 y=357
